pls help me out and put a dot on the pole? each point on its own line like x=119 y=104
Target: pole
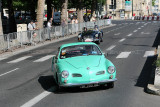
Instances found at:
x=132 y=7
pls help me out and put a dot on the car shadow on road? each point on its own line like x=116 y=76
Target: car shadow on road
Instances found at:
x=48 y=84
x=144 y=77
x=157 y=40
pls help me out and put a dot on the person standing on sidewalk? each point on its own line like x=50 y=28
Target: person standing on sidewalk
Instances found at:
x=63 y=24
x=49 y=25
x=31 y=29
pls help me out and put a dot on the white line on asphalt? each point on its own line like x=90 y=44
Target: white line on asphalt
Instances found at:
x=139 y=28
x=142 y=26
x=9 y=72
x=44 y=58
x=2 y=59
x=117 y=34
x=135 y=31
x=122 y=40
x=123 y=55
x=111 y=47
x=38 y=98
x=145 y=33
x=149 y=54
x=19 y=59
x=130 y=34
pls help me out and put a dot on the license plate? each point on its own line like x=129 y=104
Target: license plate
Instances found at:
x=88 y=86
x=88 y=40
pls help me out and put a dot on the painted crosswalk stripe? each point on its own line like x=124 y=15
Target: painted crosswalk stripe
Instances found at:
x=135 y=31
x=9 y=72
x=130 y=34
x=19 y=59
x=149 y=54
x=111 y=47
x=38 y=98
x=44 y=58
x=123 y=55
x=122 y=40
x=117 y=34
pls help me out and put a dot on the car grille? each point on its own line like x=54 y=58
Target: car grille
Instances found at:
x=100 y=72
x=76 y=75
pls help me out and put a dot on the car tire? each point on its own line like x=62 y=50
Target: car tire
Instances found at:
x=98 y=42
x=111 y=85
x=101 y=38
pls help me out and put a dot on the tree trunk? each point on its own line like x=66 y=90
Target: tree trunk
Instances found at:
x=40 y=13
x=49 y=9
x=64 y=11
x=93 y=7
x=12 y=22
x=33 y=8
x=1 y=29
x=80 y=12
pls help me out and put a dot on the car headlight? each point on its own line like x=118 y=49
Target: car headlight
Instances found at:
x=65 y=74
x=96 y=35
x=111 y=69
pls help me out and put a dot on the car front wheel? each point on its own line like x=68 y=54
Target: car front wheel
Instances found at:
x=111 y=85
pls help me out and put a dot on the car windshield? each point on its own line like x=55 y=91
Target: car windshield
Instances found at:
x=79 y=50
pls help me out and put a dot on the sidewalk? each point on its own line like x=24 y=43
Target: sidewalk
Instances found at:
x=153 y=86
x=5 y=55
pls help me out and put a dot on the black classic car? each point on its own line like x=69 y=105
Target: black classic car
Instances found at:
x=91 y=35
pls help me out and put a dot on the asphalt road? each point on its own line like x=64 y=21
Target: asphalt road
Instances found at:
x=26 y=79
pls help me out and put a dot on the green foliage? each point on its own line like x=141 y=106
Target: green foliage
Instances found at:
x=153 y=2
x=157 y=63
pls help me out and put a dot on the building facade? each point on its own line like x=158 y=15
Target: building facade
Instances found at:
x=125 y=9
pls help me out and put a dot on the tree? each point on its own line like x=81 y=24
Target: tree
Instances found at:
x=12 y=22
x=1 y=30
x=80 y=11
x=64 y=10
x=49 y=9
x=40 y=13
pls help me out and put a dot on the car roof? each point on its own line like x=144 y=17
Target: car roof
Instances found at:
x=77 y=43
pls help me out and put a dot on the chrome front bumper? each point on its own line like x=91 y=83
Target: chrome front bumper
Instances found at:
x=81 y=84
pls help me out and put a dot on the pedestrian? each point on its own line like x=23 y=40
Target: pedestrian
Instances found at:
x=63 y=24
x=32 y=33
x=93 y=19
x=49 y=25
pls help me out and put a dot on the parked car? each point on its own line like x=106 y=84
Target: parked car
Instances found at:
x=57 y=18
x=91 y=35
x=83 y=65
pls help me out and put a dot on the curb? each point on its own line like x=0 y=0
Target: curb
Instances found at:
x=5 y=55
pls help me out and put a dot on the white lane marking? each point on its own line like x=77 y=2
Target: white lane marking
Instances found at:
x=19 y=59
x=9 y=72
x=123 y=55
x=145 y=33
x=139 y=28
x=117 y=34
x=135 y=31
x=111 y=47
x=130 y=34
x=38 y=98
x=2 y=59
x=44 y=58
x=149 y=54
x=122 y=40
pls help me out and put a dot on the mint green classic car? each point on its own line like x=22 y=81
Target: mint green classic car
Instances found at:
x=82 y=64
